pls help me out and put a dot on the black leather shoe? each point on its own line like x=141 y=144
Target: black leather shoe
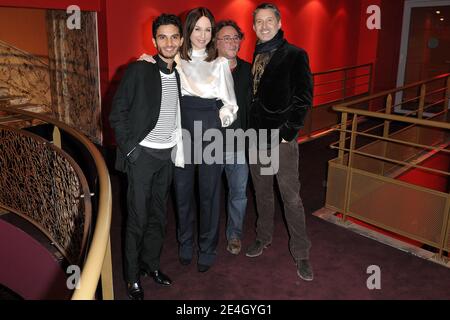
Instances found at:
x=203 y=268
x=185 y=262
x=135 y=291
x=158 y=277
x=304 y=270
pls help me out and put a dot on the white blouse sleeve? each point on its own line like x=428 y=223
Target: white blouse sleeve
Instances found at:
x=226 y=88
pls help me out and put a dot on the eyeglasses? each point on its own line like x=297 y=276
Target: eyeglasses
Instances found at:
x=228 y=39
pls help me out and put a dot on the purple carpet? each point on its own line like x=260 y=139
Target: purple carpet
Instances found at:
x=339 y=258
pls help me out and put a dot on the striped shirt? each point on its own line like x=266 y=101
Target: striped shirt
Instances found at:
x=163 y=135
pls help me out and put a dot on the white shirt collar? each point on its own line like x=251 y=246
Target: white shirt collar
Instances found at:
x=198 y=53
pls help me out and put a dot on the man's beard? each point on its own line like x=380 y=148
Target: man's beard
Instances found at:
x=161 y=53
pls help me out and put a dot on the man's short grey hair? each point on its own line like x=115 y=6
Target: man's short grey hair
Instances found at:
x=270 y=6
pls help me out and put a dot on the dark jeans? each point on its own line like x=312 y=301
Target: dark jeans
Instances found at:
x=149 y=180
x=289 y=185
x=237 y=177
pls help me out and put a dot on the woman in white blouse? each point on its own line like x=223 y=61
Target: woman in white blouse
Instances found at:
x=208 y=102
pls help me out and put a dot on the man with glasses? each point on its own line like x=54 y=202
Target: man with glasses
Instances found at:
x=229 y=37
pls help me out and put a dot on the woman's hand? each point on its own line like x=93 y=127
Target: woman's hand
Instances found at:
x=147 y=57
x=226 y=117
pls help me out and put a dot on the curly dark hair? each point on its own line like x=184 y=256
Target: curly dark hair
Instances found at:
x=165 y=19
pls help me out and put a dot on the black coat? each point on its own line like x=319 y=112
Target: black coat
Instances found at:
x=284 y=94
x=136 y=107
x=242 y=77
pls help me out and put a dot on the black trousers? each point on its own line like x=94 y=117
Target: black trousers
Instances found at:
x=206 y=113
x=149 y=181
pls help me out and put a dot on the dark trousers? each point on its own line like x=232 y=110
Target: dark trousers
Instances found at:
x=149 y=181
x=289 y=185
x=209 y=194
x=205 y=112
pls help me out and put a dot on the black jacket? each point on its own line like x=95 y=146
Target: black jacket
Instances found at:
x=136 y=107
x=284 y=94
x=242 y=77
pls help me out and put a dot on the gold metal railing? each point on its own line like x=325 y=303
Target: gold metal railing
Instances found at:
x=98 y=261
x=367 y=180
x=331 y=87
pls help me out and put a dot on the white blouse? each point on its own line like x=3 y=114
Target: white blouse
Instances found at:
x=209 y=80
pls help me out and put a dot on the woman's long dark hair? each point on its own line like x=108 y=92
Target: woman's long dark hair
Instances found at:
x=192 y=17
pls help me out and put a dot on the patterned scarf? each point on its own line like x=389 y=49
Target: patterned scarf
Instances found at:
x=263 y=53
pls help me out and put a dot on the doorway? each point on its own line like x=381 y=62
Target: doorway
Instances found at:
x=425 y=46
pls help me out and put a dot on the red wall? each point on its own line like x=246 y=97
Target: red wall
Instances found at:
x=388 y=49
x=367 y=51
x=332 y=31
x=325 y=28
x=87 y=5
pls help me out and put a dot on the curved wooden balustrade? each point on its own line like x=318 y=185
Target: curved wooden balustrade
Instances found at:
x=44 y=185
x=98 y=260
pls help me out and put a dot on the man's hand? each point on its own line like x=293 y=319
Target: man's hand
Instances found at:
x=284 y=141
x=147 y=57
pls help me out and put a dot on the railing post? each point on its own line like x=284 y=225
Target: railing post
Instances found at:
x=344 y=90
x=387 y=124
x=348 y=182
x=423 y=90
x=370 y=78
x=370 y=89
x=447 y=96
x=342 y=136
x=308 y=129
x=445 y=229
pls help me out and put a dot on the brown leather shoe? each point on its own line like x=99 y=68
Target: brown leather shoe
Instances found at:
x=234 y=246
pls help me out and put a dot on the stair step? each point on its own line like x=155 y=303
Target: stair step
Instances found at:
x=29 y=107
x=9 y=97
x=20 y=100
x=20 y=121
x=13 y=100
x=15 y=118
x=4 y=91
